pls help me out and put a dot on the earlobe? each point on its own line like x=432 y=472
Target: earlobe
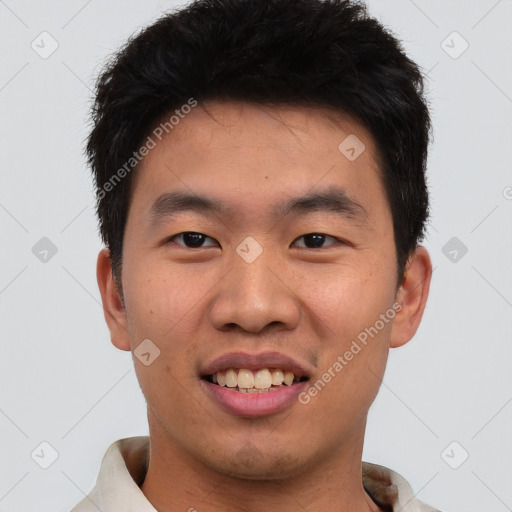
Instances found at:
x=412 y=295
x=113 y=308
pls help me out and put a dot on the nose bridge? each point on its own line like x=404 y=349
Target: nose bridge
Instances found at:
x=253 y=296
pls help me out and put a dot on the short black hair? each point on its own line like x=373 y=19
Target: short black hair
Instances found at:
x=323 y=53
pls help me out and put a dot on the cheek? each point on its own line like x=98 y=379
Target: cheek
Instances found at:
x=347 y=300
x=153 y=303
x=165 y=311
x=360 y=306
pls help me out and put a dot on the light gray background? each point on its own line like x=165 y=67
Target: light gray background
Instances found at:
x=62 y=381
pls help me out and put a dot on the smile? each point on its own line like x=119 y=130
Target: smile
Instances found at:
x=254 y=385
x=254 y=381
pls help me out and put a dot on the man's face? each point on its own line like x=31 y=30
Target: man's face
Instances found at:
x=295 y=263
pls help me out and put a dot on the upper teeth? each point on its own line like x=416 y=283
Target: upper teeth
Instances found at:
x=247 y=379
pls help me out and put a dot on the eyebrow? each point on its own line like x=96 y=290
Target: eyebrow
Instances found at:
x=333 y=199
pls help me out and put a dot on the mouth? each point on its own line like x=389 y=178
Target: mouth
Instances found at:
x=263 y=380
x=254 y=385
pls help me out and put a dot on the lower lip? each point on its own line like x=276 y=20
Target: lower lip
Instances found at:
x=253 y=405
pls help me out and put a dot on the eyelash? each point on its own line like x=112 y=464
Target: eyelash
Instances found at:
x=171 y=239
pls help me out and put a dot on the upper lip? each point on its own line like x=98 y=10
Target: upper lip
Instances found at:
x=249 y=361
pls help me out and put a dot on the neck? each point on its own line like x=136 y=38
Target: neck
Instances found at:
x=176 y=481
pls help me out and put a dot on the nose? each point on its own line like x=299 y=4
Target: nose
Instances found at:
x=254 y=297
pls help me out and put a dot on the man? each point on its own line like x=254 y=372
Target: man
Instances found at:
x=260 y=174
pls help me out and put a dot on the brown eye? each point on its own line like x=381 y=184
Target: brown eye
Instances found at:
x=192 y=240
x=313 y=240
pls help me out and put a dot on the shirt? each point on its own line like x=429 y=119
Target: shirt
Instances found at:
x=125 y=464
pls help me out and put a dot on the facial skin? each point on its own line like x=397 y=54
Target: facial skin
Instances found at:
x=196 y=304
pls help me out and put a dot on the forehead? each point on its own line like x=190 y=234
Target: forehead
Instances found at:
x=256 y=152
x=222 y=123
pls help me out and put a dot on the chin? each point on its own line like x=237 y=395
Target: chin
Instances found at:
x=252 y=463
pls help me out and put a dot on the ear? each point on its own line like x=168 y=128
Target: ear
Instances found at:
x=113 y=309
x=412 y=295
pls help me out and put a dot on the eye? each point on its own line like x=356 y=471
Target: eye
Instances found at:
x=192 y=240
x=195 y=240
x=313 y=240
